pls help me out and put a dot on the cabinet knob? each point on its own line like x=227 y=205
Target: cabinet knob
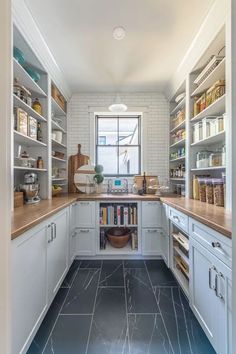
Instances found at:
x=176 y=218
x=216 y=244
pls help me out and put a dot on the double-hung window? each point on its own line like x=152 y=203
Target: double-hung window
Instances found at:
x=118 y=145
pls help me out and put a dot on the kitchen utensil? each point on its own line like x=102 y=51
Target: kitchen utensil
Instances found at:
x=84 y=179
x=75 y=161
x=30 y=191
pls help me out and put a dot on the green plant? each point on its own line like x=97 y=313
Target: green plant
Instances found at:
x=98 y=178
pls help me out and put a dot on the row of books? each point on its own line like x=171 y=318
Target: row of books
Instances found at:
x=133 y=240
x=118 y=215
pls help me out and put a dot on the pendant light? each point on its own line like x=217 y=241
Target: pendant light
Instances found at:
x=118 y=106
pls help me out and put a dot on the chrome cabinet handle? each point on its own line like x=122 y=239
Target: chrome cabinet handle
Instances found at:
x=218 y=294
x=176 y=218
x=51 y=233
x=151 y=231
x=55 y=230
x=84 y=231
x=210 y=278
x=216 y=244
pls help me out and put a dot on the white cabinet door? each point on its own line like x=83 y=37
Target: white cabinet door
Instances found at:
x=29 y=285
x=85 y=242
x=72 y=228
x=151 y=214
x=57 y=251
x=151 y=242
x=202 y=283
x=85 y=216
x=165 y=246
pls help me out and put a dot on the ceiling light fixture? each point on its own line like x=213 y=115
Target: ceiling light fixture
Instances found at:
x=118 y=106
x=119 y=33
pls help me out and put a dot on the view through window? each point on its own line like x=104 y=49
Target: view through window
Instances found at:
x=118 y=144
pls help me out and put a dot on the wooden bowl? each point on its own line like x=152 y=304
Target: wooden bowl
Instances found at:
x=118 y=236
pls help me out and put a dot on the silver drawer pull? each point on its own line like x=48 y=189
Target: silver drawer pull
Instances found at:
x=151 y=231
x=218 y=294
x=216 y=244
x=84 y=203
x=209 y=278
x=84 y=231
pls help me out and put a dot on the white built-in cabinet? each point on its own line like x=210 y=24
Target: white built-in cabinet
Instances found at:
x=39 y=264
x=72 y=232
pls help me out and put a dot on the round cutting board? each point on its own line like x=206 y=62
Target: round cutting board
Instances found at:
x=83 y=178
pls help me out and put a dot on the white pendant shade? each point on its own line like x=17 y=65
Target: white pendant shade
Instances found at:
x=118 y=106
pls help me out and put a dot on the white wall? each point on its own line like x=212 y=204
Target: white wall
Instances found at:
x=5 y=173
x=155 y=126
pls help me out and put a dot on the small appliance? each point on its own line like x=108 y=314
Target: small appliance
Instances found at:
x=117 y=185
x=30 y=188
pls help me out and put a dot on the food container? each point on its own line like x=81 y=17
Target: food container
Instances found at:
x=197 y=132
x=208 y=127
x=218 y=188
x=58 y=97
x=178 y=188
x=58 y=135
x=220 y=124
x=21 y=120
x=202 y=189
x=183 y=190
x=195 y=188
x=209 y=191
x=53 y=135
x=218 y=90
x=196 y=106
x=118 y=236
x=202 y=102
x=203 y=159
x=32 y=128
x=215 y=159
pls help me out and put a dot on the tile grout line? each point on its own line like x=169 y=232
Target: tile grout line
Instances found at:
x=127 y=315
x=94 y=305
x=59 y=312
x=159 y=307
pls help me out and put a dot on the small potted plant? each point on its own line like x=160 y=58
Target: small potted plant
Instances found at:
x=98 y=178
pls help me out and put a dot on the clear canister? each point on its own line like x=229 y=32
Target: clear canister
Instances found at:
x=215 y=159
x=209 y=191
x=218 y=189
x=202 y=189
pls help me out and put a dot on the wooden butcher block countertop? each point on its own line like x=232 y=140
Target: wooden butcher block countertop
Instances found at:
x=27 y=216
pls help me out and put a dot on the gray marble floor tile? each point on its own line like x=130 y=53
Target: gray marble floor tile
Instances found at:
x=71 y=274
x=134 y=263
x=47 y=325
x=159 y=273
x=81 y=296
x=109 y=325
x=91 y=264
x=147 y=335
x=70 y=335
x=112 y=274
x=139 y=292
x=185 y=333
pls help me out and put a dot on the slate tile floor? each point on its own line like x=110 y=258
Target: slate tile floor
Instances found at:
x=120 y=307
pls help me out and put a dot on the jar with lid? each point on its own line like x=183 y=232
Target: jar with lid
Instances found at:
x=37 y=106
x=178 y=189
x=203 y=159
x=197 y=132
x=208 y=126
x=40 y=163
x=219 y=122
x=202 y=189
x=215 y=159
x=209 y=191
x=195 y=188
x=218 y=188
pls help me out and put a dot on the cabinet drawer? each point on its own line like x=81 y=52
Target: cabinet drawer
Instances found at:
x=151 y=242
x=216 y=243
x=85 y=214
x=151 y=214
x=179 y=219
x=85 y=242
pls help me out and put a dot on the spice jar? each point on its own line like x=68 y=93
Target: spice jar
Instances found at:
x=209 y=191
x=218 y=188
x=37 y=106
x=202 y=189
x=40 y=163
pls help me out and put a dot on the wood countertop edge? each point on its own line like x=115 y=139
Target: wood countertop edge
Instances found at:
x=73 y=198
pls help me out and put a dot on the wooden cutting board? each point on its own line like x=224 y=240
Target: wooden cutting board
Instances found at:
x=75 y=161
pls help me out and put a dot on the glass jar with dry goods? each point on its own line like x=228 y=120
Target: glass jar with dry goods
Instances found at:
x=218 y=188
x=203 y=159
x=197 y=132
x=209 y=191
x=215 y=159
x=219 y=124
x=202 y=189
x=208 y=126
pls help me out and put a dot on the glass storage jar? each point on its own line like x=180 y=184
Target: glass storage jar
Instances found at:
x=209 y=191
x=208 y=127
x=218 y=188
x=202 y=189
x=203 y=159
x=220 y=126
x=197 y=132
x=215 y=159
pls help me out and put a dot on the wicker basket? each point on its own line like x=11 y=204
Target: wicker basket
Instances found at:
x=118 y=236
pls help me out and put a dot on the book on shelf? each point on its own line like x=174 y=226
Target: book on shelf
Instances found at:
x=102 y=239
x=118 y=215
x=134 y=240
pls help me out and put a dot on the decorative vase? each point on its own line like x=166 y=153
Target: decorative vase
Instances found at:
x=98 y=188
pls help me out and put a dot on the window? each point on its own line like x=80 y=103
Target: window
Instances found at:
x=118 y=144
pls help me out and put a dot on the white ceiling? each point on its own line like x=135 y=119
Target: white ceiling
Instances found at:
x=79 y=35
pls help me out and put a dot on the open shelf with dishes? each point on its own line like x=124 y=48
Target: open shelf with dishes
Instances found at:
x=119 y=228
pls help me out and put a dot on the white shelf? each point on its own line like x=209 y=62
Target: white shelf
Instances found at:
x=57 y=110
x=59 y=179
x=57 y=159
x=211 y=139
x=118 y=251
x=19 y=103
x=26 y=140
x=209 y=168
x=55 y=125
x=182 y=281
x=30 y=169
x=54 y=142
x=111 y=225
x=181 y=254
x=178 y=159
x=178 y=143
x=26 y=80
x=177 y=179
x=217 y=74
x=216 y=108
x=178 y=106
x=180 y=126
